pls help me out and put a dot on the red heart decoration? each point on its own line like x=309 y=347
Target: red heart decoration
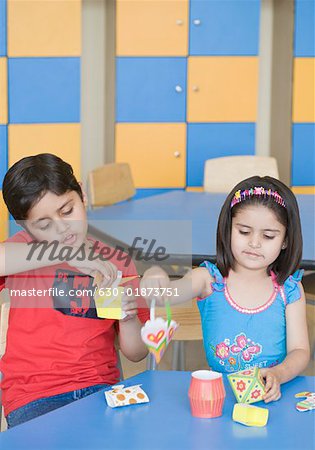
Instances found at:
x=156 y=337
x=170 y=333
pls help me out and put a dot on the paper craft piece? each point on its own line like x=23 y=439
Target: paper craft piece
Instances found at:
x=247 y=385
x=108 y=301
x=251 y=416
x=157 y=332
x=308 y=404
x=124 y=396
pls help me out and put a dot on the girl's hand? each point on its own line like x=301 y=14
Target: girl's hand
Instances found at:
x=153 y=281
x=129 y=305
x=272 y=384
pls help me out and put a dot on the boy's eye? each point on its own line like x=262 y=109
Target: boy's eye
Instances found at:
x=67 y=213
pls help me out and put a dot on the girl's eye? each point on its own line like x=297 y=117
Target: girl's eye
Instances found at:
x=45 y=227
x=67 y=213
x=244 y=232
x=268 y=237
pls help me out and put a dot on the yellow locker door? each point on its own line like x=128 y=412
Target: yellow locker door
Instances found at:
x=151 y=28
x=156 y=153
x=62 y=139
x=304 y=90
x=3 y=91
x=222 y=89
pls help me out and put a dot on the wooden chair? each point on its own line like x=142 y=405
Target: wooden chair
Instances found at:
x=4 y=316
x=188 y=317
x=109 y=184
x=222 y=174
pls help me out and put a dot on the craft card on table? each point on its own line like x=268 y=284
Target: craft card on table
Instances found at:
x=307 y=404
x=251 y=416
x=124 y=396
x=247 y=385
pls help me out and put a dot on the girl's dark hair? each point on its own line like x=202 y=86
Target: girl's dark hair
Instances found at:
x=289 y=258
x=29 y=179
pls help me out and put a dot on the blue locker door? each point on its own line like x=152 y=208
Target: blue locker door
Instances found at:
x=303 y=157
x=304 y=18
x=213 y=140
x=224 y=27
x=151 y=89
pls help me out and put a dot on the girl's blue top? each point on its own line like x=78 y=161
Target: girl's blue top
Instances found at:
x=237 y=338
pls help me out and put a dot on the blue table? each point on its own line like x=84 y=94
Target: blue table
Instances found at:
x=184 y=223
x=165 y=422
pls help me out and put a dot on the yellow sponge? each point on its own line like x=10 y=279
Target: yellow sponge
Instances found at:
x=249 y=415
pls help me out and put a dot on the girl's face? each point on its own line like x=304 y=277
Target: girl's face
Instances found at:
x=257 y=237
x=59 y=218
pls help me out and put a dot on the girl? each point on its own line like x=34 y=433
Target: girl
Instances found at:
x=251 y=302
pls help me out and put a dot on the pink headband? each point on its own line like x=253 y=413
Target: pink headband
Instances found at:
x=240 y=196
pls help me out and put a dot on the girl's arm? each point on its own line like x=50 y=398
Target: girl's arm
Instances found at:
x=196 y=283
x=298 y=347
x=298 y=350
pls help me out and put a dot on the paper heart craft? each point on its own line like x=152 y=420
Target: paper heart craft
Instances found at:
x=157 y=332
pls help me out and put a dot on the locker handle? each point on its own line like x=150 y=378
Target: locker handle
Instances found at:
x=179 y=22
x=177 y=154
x=178 y=88
x=195 y=88
x=196 y=22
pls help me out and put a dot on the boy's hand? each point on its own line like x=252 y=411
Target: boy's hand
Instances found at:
x=153 y=281
x=129 y=304
x=272 y=384
x=104 y=272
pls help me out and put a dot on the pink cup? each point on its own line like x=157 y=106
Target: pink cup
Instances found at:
x=206 y=394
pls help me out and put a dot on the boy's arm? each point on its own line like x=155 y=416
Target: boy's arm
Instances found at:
x=130 y=342
x=196 y=283
x=16 y=257
x=298 y=350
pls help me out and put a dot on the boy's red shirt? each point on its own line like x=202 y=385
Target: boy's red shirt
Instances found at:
x=56 y=344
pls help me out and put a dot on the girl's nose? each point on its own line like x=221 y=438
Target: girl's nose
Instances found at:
x=254 y=242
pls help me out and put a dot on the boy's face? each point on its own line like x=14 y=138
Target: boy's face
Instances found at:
x=59 y=218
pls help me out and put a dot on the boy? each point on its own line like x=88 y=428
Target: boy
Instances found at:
x=57 y=349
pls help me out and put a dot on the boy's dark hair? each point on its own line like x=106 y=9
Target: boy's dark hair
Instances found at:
x=29 y=179
x=289 y=258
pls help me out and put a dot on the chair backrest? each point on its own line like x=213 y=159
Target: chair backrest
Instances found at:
x=222 y=174
x=111 y=183
x=188 y=317
x=4 y=317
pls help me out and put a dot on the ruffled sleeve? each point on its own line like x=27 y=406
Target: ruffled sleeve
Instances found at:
x=291 y=287
x=218 y=283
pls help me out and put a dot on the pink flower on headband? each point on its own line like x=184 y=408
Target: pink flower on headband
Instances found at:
x=245 y=194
